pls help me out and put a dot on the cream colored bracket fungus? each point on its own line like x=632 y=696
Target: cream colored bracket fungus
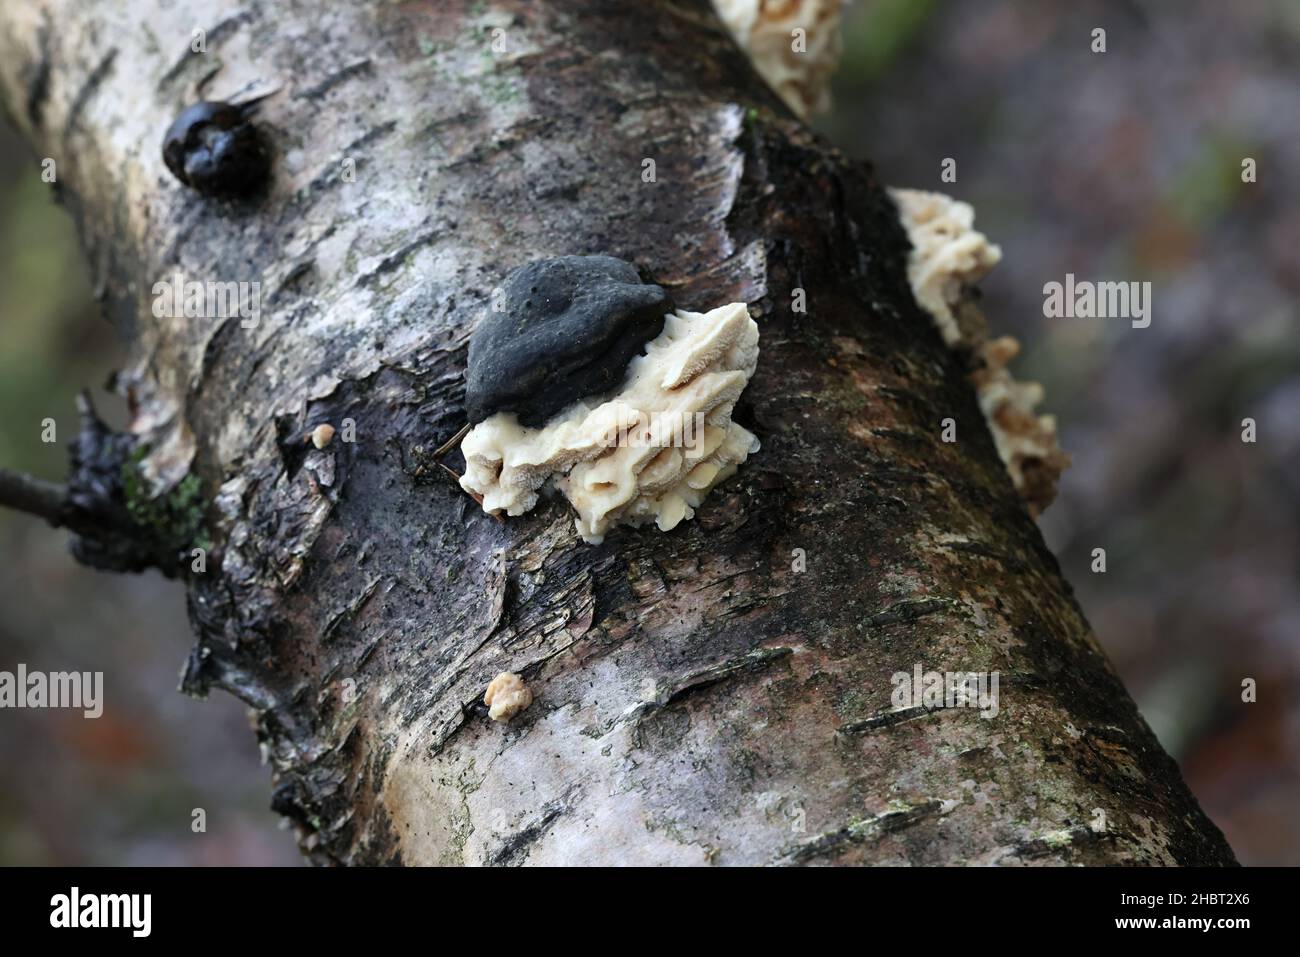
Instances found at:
x=648 y=451
x=506 y=696
x=949 y=256
x=794 y=45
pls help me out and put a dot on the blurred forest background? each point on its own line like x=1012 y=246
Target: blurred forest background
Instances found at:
x=1122 y=165
x=120 y=789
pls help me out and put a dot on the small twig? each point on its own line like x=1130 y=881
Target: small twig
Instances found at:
x=451 y=443
x=27 y=493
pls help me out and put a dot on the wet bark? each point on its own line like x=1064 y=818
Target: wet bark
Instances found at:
x=701 y=697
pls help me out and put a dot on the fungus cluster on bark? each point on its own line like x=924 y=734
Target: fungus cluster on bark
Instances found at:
x=506 y=696
x=561 y=393
x=949 y=257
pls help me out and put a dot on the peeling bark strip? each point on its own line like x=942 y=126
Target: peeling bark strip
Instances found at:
x=361 y=603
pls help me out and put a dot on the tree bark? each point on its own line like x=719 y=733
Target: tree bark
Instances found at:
x=697 y=698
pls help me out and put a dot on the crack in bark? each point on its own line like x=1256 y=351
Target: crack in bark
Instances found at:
x=514 y=850
x=215 y=37
x=1054 y=843
x=38 y=86
x=87 y=90
x=887 y=719
x=699 y=680
x=984 y=550
x=870 y=829
x=395 y=260
x=910 y=610
x=359 y=68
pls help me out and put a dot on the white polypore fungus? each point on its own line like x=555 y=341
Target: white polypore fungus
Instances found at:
x=799 y=71
x=949 y=256
x=506 y=696
x=650 y=451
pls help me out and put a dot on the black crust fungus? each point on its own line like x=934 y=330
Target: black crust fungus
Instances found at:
x=567 y=329
x=215 y=148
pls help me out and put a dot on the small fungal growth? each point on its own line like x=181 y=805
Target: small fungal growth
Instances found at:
x=949 y=256
x=506 y=696
x=564 y=328
x=322 y=435
x=214 y=148
x=648 y=450
x=794 y=44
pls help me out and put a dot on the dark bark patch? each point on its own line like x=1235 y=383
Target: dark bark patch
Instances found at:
x=87 y=91
x=38 y=82
x=342 y=75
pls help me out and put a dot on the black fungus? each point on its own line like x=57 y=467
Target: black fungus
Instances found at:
x=565 y=329
x=215 y=148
